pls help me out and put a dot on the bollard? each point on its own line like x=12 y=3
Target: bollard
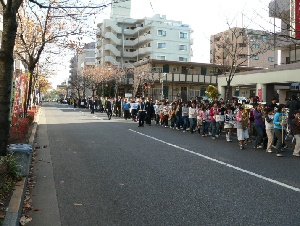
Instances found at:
x=22 y=153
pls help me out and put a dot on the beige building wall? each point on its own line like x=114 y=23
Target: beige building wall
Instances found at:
x=252 y=48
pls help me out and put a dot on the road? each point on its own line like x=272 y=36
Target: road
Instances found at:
x=111 y=172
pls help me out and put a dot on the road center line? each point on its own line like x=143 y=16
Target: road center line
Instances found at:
x=223 y=163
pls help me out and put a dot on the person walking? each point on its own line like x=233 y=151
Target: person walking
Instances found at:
x=142 y=112
x=149 y=111
x=269 y=117
x=229 y=123
x=213 y=112
x=192 y=117
x=185 y=116
x=296 y=131
x=157 y=112
x=109 y=108
x=204 y=115
x=293 y=105
x=258 y=126
x=280 y=123
x=92 y=105
x=178 y=114
x=126 y=108
x=242 y=124
x=166 y=113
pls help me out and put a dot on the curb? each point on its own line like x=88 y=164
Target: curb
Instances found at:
x=15 y=207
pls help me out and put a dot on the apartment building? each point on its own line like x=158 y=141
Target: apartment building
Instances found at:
x=77 y=62
x=287 y=40
x=243 y=47
x=122 y=40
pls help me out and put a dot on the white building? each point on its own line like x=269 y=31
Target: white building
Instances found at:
x=123 y=41
x=87 y=57
x=77 y=63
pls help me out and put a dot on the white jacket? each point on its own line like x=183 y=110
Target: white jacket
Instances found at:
x=192 y=112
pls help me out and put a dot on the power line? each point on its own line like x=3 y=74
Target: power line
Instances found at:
x=151 y=6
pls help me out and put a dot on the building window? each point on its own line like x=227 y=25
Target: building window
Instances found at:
x=160 y=57
x=271 y=59
x=255 y=46
x=255 y=58
x=183 y=47
x=264 y=38
x=161 y=45
x=175 y=69
x=184 y=59
x=203 y=70
x=242 y=44
x=161 y=33
x=183 y=35
x=241 y=56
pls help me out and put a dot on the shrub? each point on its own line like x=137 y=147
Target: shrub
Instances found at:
x=30 y=115
x=9 y=173
x=18 y=133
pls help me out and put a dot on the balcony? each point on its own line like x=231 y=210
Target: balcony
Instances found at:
x=112 y=49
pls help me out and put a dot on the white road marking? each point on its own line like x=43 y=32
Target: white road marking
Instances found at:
x=223 y=163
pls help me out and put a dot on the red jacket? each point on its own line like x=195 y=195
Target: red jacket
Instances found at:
x=213 y=112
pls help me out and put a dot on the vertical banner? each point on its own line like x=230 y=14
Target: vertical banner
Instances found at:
x=259 y=94
x=297 y=19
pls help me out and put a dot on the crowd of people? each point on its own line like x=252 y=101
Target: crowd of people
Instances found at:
x=266 y=125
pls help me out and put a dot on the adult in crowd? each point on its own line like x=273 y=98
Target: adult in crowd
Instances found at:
x=126 y=108
x=273 y=104
x=142 y=112
x=149 y=111
x=118 y=107
x=109 y=108
x=258 y=126
x=296 y=131
x=178 y=114
x=293 y=105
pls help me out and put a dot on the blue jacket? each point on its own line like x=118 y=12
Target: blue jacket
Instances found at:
x=278 y=117
x=126 y=106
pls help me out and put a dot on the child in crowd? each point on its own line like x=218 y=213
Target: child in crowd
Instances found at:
x=229 y=123
x=242 y=123
x=269 y=116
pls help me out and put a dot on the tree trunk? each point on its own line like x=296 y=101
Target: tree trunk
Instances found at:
x=228 y=93
x=6 y=69
x=26 y=103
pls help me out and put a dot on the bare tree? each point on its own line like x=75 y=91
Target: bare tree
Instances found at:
x=235 y=48
x=10 y=9
x=143 y=75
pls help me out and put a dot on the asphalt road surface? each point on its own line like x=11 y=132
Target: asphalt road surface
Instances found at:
x=112 y=172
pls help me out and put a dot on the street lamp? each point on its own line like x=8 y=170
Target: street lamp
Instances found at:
x=162 y=84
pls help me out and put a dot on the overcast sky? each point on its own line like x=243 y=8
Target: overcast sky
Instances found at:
x=204 y=17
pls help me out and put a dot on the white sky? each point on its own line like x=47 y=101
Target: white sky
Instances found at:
x=204 y=17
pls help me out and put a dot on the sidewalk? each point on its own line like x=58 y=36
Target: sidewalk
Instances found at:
x=43 y=196
x=44 y=200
